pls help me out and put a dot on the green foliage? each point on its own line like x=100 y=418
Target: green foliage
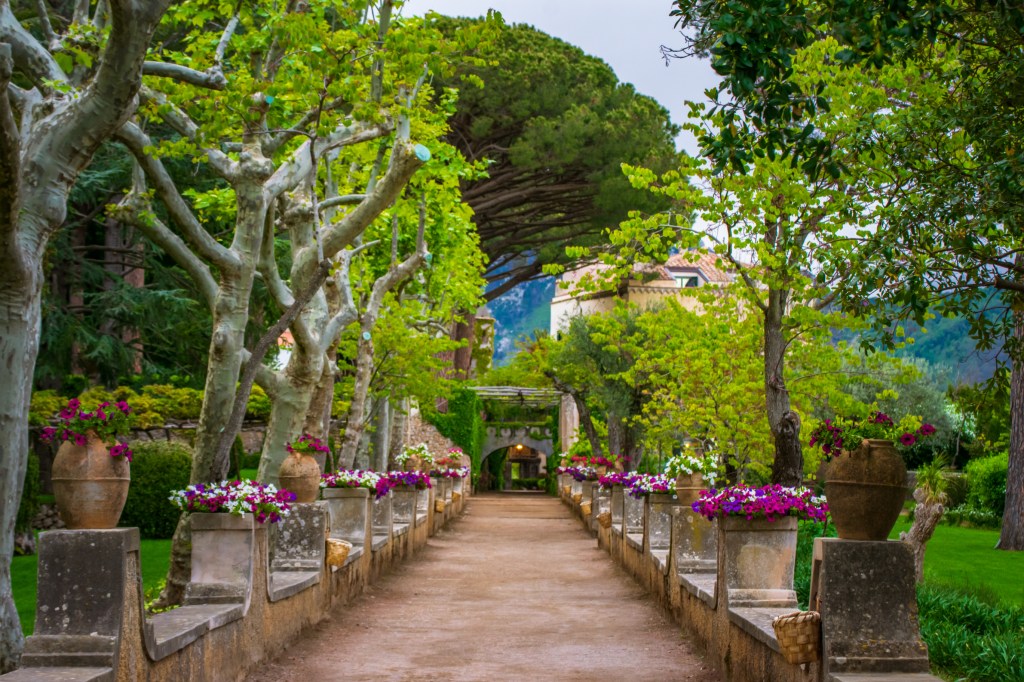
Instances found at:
x=463 y=425
x=44 y=406
x=258 y=405
x=987 y=483
x=158 y=468
x=31 y=488
x=957 y=489
x=528 y=483
x=176 y=403
x=971 y=517
x=970 y=639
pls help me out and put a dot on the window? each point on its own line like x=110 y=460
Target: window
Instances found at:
x=686 y=281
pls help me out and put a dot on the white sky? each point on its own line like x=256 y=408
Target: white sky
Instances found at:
x=627 y=34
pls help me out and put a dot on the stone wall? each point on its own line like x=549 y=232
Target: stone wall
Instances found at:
x=253 y=591
x=727 y=592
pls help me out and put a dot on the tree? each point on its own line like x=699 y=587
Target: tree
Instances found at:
x=950 y=233
x=553 y=124
x=52 y=121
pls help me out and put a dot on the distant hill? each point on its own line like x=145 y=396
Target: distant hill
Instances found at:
x=518 y=314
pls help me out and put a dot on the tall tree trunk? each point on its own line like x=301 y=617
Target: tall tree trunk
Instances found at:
x=19 y=345
x=399 y=421
x=357 y=409
x=381 y=434
x=463 y=360
x=289 y=409
x=1012 y=535
x=617 y=436
x=788 y=466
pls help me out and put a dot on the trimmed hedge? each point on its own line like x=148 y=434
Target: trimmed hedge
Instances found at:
x=29 y=495
x=157 y=469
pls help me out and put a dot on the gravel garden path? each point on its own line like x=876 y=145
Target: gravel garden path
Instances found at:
x=514 y=591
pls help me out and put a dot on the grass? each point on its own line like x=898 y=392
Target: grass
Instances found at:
x=155 y=556
x=250 y=474
x=964 y=558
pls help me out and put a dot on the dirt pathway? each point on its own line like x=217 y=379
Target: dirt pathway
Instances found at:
x=515 y=591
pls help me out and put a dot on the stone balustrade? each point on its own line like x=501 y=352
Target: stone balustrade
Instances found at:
x=726 y=581
x=253 y=589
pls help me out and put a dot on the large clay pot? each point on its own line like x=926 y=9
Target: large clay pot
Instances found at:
x=300 y=474
x=602 y=471
x=90 y=486
x=865 y=490
x=689 y=487
x=411 y=464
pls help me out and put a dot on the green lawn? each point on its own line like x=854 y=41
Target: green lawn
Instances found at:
x=250 y=474
x=156 y=556
x=964 y=558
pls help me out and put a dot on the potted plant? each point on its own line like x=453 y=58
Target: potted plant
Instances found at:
x=356 y=479
x=757 y=538
x=415 y=458
x=693 y=472
x=866 y=479
x=644 y=485
x=411 y=479
x=264 y=501
x=90 y=472
x=299 y=471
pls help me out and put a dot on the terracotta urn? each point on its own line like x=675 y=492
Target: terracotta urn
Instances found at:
x=602 y=471
x=865 y=490
x=300 y=474
x=689 y=487
x=89 y=486
x=411 y=464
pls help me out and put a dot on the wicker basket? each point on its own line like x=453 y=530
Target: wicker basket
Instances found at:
x=605 y=519
x=439 y=506
x=337 y=552
x=585 y=509
x=577 y=497
x=799 y=636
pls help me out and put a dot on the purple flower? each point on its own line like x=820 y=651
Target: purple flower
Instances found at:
x=926 y=430
x=907 y=439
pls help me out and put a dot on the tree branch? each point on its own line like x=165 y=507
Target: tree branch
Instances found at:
x=211 y=80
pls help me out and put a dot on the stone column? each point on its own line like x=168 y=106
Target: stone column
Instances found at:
x=618 y=507
x=297 y=541
x=633 y=513
x=867 y=598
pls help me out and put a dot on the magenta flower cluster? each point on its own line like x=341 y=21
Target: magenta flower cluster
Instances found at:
x=418 y=479
x=843 y=433
x=643 y=485
x=580 y=473
x=264 y=501
x=307 y=445
x=379 y=483
x=106 y=421
x=623 y=478
x=769 y=502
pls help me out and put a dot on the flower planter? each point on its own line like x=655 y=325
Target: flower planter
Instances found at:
x=89 y=486
x=617 y=507
x=866 y=489
x=694 y=541
x=759 y=557
x=404 y=504
x=300 y=474
x=349 y=509
x=222 y=557
x=658 y=521
x=382 y=513
x=688 y=488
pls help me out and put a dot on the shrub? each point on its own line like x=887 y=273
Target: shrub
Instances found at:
x=986 y=479
x=44 y=405
x=957 y=489
x=157 y=469
x=176 y=403
x=258 y=406
x=966 y=515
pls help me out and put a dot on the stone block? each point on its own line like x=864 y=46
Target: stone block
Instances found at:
x=758 y=557
x=404 y=505
x=222 y=558
x=381 y=516
x=617 y=506
x=867 y=598
x=297 y=542
x=658 y=521
x=694 y=541
x=350 y=513
x=633 y=514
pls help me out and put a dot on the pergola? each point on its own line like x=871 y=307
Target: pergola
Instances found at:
x=532 y=397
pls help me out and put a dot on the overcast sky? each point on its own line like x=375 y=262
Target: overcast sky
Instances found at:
x=625 y=34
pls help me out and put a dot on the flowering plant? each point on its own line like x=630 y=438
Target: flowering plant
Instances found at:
x=582 y=473
x=770 y=502
x=307 y=445
x=846 y=433
x=236 y=497
x=643 y=485
x=414 y=478
x=686 y=465
x=623 y=478
x=595 y=461
x=461 y=472
x=356 y=478
x=420 y=451
x=75 y=423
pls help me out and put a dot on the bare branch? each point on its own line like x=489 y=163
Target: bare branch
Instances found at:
x=180 y=122
x=212 y=80
x=30 y=58
x=208 y=247
x=343 y=200
x=45 y=25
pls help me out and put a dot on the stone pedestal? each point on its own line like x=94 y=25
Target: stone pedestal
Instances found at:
x=404 y=504
x=694 y=541
x=82 y=586
x=618 y=509
x=633 y=513
x=658 y=521
x=866 y=595
x=297 y=541
x=381 y=516
x=350 y=514
x=758 y=557
x=222 y=558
